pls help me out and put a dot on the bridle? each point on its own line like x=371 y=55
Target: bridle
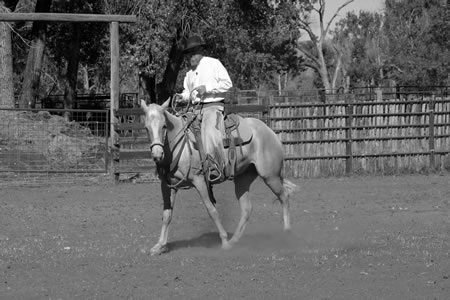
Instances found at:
x=176 y=141
x=158 y=143
x=178 y=112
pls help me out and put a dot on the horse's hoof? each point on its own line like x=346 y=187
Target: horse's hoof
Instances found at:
x=227 y=246
x=158 y=250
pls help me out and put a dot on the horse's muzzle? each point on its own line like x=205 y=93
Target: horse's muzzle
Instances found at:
x=157 y=152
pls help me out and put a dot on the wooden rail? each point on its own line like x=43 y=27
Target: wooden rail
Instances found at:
x=369 y=155
x=362 y=127
x=350 y=139
x=412 y=114
x=62 y=17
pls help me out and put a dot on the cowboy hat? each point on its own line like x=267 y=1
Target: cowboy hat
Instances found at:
x=193 y=42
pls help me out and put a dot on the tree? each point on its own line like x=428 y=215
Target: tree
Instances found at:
x=33 y=69
x=314 y=51
x=73 y=43
x=6 y=63
x=417 y=33
x=252 y=39
x=363 y=45
x=153 y=45
x=256 y=41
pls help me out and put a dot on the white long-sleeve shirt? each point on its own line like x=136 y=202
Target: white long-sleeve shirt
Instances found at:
x=212 y=74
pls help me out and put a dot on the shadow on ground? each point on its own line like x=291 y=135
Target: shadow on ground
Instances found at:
x=205 y=240
x=272 y=240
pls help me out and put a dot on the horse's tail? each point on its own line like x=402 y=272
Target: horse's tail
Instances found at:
x=289 y=186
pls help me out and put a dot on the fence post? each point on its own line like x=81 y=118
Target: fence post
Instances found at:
x=107 y=156
x=266 y=113
x=431 y=133
x=114 y=102
x=379 y=93
x=348 y=136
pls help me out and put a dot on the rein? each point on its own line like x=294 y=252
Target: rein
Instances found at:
x=180 y=137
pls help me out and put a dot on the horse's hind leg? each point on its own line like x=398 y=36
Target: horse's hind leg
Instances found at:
x=281 y=190
x=242 y=185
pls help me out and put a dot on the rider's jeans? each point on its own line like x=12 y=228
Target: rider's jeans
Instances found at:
x=211 y=131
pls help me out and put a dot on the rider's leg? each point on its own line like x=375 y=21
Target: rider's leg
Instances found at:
x=212 y=128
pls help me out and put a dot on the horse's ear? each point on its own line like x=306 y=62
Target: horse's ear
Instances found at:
x=166 y=104
x=144 y=105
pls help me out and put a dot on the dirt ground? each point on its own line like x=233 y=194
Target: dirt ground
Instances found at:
x=353 y=238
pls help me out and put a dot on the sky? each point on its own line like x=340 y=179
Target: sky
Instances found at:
x=367 y=5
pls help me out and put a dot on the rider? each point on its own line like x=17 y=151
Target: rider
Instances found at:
x=205 y=85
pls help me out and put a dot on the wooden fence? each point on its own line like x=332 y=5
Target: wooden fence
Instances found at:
x=370 y=137
x=333 y=139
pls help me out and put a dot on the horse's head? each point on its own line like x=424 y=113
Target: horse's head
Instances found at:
x=155 y=123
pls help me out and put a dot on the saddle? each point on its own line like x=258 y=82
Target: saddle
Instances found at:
x=236 y=135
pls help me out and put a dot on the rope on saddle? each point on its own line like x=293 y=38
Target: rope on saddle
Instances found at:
x=232 y=124
x=231 y=152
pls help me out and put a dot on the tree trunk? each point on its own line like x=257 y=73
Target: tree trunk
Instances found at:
x=6 y=70
x=323 y=71
x=286 y=77
x=337 y=71
x=6 y=64
x=279 y=83
x=33 y=69
x=85 y=75
x=166 y=87
x=148 y=84
x=73 y=59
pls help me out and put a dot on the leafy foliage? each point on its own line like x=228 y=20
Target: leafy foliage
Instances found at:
x=94 y=49
x=408 y=44
x=418 y=36
x=256 y=40
x=252 y=39
x=362 y=38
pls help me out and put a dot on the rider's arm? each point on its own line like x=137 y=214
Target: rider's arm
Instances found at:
x=185 y=94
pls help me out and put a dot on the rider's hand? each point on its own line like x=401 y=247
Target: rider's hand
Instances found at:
x=179 y=98
x=201 y=90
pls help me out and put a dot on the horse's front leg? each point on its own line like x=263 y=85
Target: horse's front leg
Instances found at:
x=169 y=196
x=202 y=188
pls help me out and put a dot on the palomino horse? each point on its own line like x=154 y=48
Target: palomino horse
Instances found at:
x=179 y=165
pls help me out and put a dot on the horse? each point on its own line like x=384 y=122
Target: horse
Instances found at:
x=179 y=166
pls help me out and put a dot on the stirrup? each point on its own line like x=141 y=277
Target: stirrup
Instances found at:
x=213 y=178
x=212 y=167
